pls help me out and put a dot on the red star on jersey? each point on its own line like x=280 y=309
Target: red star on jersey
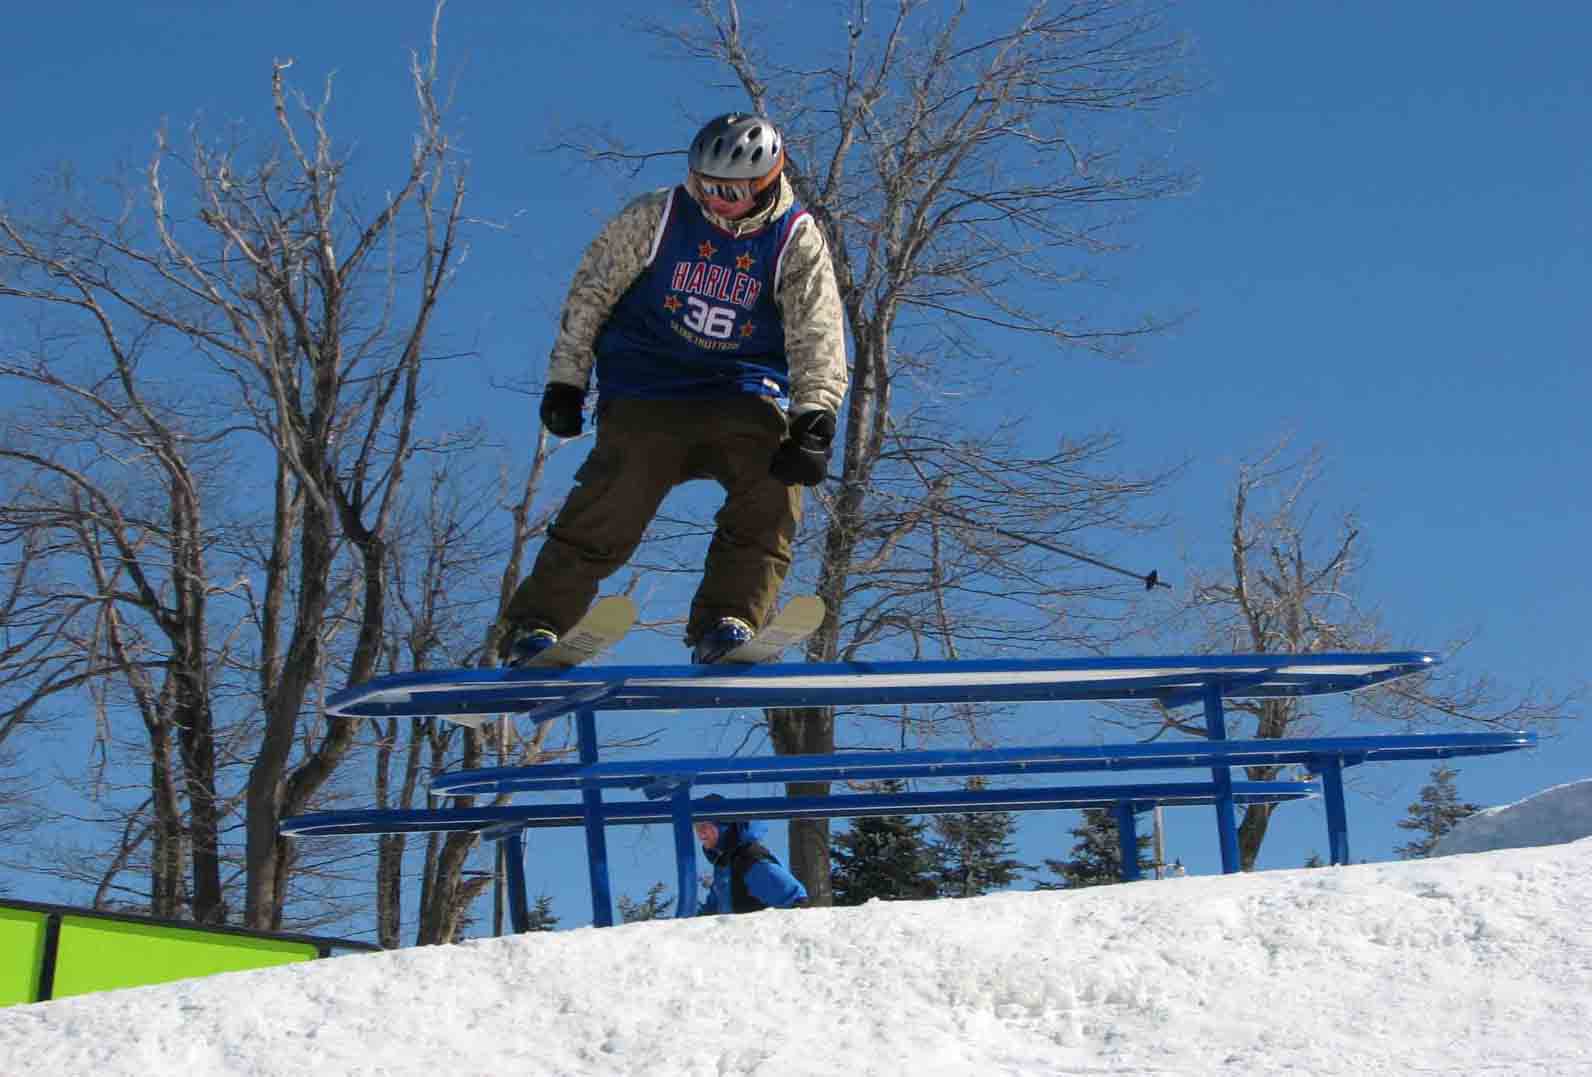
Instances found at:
x=671 y=304
x=748 y=329
x=707 y=250
x=744 y=262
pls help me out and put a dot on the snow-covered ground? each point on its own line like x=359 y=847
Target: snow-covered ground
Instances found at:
x=1463 y=964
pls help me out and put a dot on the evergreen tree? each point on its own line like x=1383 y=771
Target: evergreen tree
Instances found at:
x=654 y=907
x=1435 y=813
x=1314 y=860
x=1097 y=857
x=541 y=914
x=973 y=851
x=882 y=856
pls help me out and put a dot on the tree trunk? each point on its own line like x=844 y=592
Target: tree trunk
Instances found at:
x=389 y=847
x=1251 y=832
x=1276 y=718
x=811 y=730
x=197 y=738
x=444 y=885
x=389 y=890
x=439 y=918
x=166 y=860
x=285 y=696
x=807 y=731
x=284 y=856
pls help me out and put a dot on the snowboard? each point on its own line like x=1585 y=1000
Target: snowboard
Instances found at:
x=795 y=621
x=604 y=625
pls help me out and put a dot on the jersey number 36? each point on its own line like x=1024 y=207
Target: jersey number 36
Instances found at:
x=715 y=322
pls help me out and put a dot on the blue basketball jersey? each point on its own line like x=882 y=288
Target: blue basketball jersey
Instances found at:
x=700 y=321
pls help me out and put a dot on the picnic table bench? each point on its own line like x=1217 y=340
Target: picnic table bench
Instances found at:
x=667 y=786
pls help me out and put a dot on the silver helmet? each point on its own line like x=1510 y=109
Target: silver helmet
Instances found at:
x=738 y=145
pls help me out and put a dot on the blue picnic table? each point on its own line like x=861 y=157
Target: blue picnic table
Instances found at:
x=667 y=787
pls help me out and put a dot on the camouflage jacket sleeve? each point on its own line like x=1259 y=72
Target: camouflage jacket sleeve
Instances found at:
x=610 y=265
x=815 y=337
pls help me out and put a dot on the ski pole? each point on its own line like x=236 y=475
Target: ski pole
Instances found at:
x=1151 y=580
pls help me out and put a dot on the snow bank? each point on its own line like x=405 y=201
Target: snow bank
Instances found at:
x=1562 y=813
x=1474 y=964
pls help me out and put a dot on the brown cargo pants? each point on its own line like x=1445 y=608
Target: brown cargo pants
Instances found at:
x=644 y=449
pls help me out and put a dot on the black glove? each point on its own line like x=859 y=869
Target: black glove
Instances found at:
x=803 y=457
x=561 y=409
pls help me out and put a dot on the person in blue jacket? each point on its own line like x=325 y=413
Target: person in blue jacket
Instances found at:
x=746 y=876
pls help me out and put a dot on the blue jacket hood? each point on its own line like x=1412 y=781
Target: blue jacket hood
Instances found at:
x=732 y=835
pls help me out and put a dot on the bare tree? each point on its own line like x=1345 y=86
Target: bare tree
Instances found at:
x=303 y=321
x=432 y=559
x=114 y=478
x=20 y=812
x=966 y=168
x=1293 y=585
x=438 y=622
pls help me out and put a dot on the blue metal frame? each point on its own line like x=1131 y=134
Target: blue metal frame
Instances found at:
x=1331 y=771
x=1176 y=680
x=496 y=820
x=668 y=783
x=1226 y=821
x=1311 y=752
x=592 y=802
x=684 y=850
x=512 y=846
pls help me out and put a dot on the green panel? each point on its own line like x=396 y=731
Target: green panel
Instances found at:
x=101 y=955
x=21 y=954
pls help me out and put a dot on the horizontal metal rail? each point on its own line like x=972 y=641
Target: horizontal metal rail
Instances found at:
x=1142 y=797
x=1049 y=759
x=469 y=694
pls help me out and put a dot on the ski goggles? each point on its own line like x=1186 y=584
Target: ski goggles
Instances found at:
x=733 y=191
x=725 y=190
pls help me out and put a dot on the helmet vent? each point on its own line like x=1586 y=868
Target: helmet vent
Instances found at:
x=738 y=146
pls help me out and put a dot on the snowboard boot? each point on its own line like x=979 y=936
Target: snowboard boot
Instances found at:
x=718 y=641
x=526 y=643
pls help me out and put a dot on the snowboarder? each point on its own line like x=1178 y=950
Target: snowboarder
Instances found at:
x=712 y=316
x=746 y=876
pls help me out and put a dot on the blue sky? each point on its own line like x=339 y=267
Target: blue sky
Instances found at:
x=1386 y=255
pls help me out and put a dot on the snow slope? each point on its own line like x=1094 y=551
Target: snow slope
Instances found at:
x=1469 y=964
x=1562 y=813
